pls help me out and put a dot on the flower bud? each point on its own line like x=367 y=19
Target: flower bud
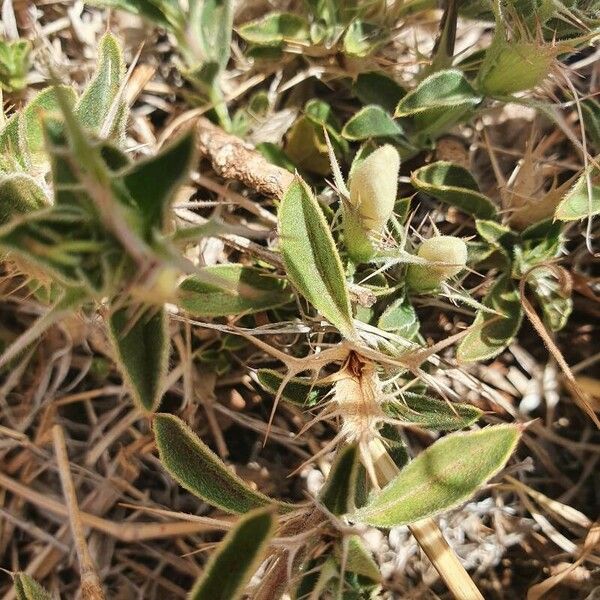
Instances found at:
x=373 y=187
x=447 y=256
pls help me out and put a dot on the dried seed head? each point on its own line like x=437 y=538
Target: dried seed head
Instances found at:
x=373 y=188
x=447 y=256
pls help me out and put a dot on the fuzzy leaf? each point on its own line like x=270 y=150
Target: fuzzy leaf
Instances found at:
x=213 y=24
x=311 y=259
x=362 y=38
x=374 y=87
x=578 y=203
x=439 y=102
x=441 y=477
x=27 y=588
x=431 y=413
x=301 y=392
x=19 y=195
x=31 y=124
x=275 y=28
x=453 y=185
x=142 y=351
x=14 y=64
x=236 y=559
x=152 y=182
x=371 y=122
x=339 y=490
x=553 y=297
x=490 y=333
x=358 y=559
x=237 y=290
x=401 y=318
x=199 y=470
x=96 y=109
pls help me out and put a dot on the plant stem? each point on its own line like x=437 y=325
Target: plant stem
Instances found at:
x=428 y=535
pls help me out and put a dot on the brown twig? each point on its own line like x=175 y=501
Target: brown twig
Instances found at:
x=233 y=158
x=90 y=583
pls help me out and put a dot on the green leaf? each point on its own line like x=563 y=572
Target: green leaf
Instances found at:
x=276 y=156
x=151 y=183
x=142 y=351
x=552 y=295
x=439 y=102
x=27 y=588
x=374 y=87
x=212 y=21
x=590 y=109
x=311 y=259
x=401 y=318
x=339 y=489
x=441 y=477
x=298 y=391
x=19 y=195
x=371 y=122
x=199 y=470
x=358 y=559
x=162 y=14
x=14 y=64
x=453 y=185
x=362 y=38
x=276 y=28
x=490 y=333
x=236 y=290
x=31 y=123
x=578 y=203
x=430 y=413
x=236 y=559
x=100 y=109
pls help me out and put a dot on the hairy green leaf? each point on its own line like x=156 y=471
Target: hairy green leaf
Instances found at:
x=236 y=290
x=439 y=102
x=27 y=588
x=430 y=413
x=236 y=559
x=275 y=28
x=362 y=38
x=455 y=186
x=302 y=392
x=339 y=489
x=490 y=333
x=358 y=559
x=441 y=477
x=553 y=296
x=14 y=64
x=141 y=343
x=152 y=182
x=212 y=21
x=373 y=87
x=311 y=259
x=19 y=195
x=371 y=122
x=100 y=109
x=401 y=318
x=581 y=201
x=198 y=469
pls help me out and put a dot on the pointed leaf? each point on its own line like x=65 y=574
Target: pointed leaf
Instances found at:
x=27 y=588
x=439 y=102
x=338 y=491
x=142 y=351
x=212 y=21
x=237 y=290
x=371 y=122
x=578 y=203
x=199 y=470
x=275 y=28
x=232 y=565
x=19 y=195
x=358 y=559
x=311 y=259
x=401 y=318
x=441 y=477
x=490 y=333
x=302 y=392
x=430 y=413
x=453 y=185
x=96 y=109
x=152 y=182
